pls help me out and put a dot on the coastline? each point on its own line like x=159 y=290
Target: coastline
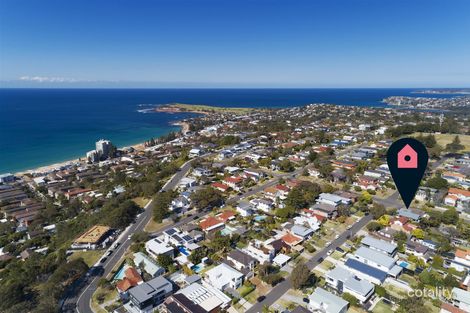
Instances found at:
x=184 y=128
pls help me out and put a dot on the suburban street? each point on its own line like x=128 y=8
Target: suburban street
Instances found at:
x=281 y=288
x=81 y=301
x=83 y=298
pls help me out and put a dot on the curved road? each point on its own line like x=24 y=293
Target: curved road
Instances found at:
x=83 y=297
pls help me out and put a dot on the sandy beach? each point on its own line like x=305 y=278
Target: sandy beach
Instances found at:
x=56 y=166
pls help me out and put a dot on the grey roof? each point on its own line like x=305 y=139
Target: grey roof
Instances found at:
x=321 y=297
x=245 y=205
x=379 y=244
x=331 y=197
x=350 y=281
x=376 y=257
x=328 y=208
x=461 y=295
x=145 y=291
x=241 y=257
x=301 y=230
x=410 y=214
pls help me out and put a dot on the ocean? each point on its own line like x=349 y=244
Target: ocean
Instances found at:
x=39 y=127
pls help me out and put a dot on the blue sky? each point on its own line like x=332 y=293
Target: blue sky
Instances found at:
x=200 y=43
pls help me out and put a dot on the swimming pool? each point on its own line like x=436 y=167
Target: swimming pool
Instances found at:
x=260 y=218
x=227 y=231
x=404 y=264
x=183 y=250
x=197 y=268
x=121 y=272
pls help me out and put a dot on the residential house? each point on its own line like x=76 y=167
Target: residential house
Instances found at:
x=265 y=205
x=380 y=245
x=245 y=208
x=149 y=265
x=146 y=296
x=220 y=186
x=155 y=247
x=197 y=298
x=461 y=299
x=211 y=223
x=461 y=261
x=372 y=265
x=324 y=301
x=131 y=279
x=224 y=276
x=342 y=280
x=261 y=251
x=241 y=260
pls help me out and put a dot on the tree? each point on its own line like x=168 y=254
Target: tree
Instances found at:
x=161 y=203
x=286 y=166
x=164 y=260
x=365 y=197
x=450 y=216
x=303 y=195
x=206 y=197
x=373 y=226
x=197 y=255
x=377 y=210
x=351 y=299
x=384 y=220
x=455 y=145
x=380 y=291
x=300 y=276
x=437 y=262
x=412 y=305
x=437 y=182
x=418 y=233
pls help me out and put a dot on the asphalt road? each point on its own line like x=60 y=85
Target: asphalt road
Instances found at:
x=80 y=300
x=281 y=288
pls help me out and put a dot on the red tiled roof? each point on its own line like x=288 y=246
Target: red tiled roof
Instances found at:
x=226 y=215
x=234 y=180
x=220 y=186
x=132 y=278
x=209 y=222
x=458 y=191
x=291 y=239
x=450 y=308
x=282 y=187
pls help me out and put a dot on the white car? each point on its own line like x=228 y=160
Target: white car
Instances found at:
x=328 y=243
x=337 y=236
x=329 y=252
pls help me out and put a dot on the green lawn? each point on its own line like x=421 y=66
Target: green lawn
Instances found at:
x=90 y=257
x=381 y=307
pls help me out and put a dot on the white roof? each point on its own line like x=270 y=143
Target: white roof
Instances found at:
x=281 y=258
x=376 y=257
x=222 y=275
x=207 y=297
x=330 y=303
x=378 y=244
x=157 y=247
